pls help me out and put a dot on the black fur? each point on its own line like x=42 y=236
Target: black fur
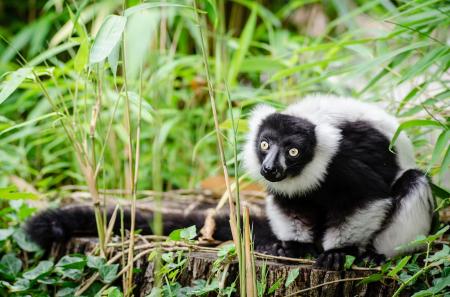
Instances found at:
x=60 y=225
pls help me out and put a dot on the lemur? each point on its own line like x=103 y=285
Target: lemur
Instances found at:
x=334 y=186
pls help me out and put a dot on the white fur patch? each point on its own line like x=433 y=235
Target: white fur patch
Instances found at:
x=412 y=219
x=250 y=158
x=284 y=227
x=359 y=227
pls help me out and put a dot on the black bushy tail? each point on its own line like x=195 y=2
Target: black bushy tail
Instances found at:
x=60 y=225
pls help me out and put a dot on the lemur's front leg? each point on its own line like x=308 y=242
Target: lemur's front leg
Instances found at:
x=290 y=249
x=353 y=235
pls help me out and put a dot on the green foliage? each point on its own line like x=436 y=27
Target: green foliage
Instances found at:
x=60 y=65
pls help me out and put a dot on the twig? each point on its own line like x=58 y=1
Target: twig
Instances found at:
x=324 y=284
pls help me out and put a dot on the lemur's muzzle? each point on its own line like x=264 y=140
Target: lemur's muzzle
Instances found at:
x=271 y=168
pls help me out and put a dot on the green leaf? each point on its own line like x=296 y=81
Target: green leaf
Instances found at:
x=275 y=286
x=107 y=38
x=95 y=262
x=66 y=292
x=439 y=147
x=372 y=278
x=183 y=234
x=43 y=268
x=20 y=285
x=445 y=164
x=73 y=274
x=442 y=254
x=113 y=59
x=188 y=233
x=10 y=264
x=112 y=292
x=71 y=262
x=410 y=124
x=399 y=266
x=429 y=59
x=24 y=243
x=6 y=233
x=108 y=273
x=13 y=81
x=241 y=51
x=349 y=260
x=292 y=276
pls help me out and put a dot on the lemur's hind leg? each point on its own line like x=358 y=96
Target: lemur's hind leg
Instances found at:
x=411 y=215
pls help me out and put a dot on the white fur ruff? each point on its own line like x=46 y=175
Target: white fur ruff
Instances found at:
x=413 y=218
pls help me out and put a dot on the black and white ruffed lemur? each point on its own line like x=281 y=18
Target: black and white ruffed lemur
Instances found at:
x=334 y=187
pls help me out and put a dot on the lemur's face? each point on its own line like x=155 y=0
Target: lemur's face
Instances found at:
x=284 y=145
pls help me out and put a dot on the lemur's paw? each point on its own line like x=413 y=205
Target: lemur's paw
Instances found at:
x=330 y=260
x=373 y=257
x=47 y=228
x=279 y=248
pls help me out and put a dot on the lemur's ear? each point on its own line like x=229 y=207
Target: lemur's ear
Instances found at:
x=258 y=114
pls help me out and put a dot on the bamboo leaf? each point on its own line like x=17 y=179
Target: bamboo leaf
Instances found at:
x=439 y=147
x=107 y=38
x=244 y=44
x=410 y=124
x=13 y=82
x=445 y=164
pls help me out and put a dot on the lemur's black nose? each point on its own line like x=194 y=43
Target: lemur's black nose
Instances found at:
x=270 y=170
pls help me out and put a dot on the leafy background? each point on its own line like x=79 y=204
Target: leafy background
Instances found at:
x=111 y=94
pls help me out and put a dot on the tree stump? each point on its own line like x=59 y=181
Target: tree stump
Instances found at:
x=310 y=281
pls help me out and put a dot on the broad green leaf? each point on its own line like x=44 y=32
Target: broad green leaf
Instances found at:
x=66 y=292
x=13 y=81
x=24 y=243
x=107 y=38
x=108 y=273
x=10 y=264
x=188 y=233
x=442 y=254
x=71 y=262
x=6 y=233
x=410 y=124
x=95 y=262
x=73 y=274
x=399 y=266
x=141 y=29
x=43 y=268
x=112 y=292
x=292 y=276
x=20 y=285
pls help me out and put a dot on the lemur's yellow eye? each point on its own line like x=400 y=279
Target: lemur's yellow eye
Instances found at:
x=264 y=145
x=293 y=152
